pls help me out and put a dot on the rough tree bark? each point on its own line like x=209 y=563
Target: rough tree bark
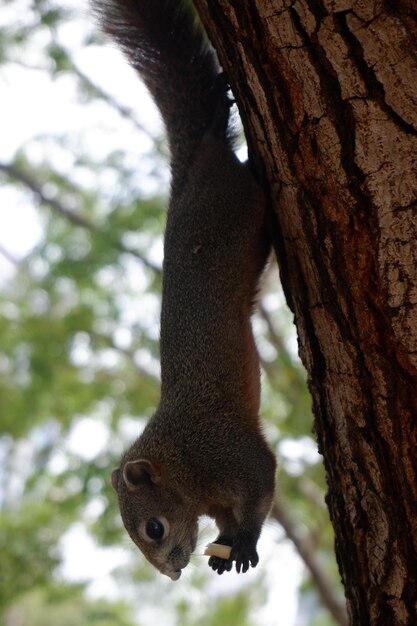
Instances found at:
x=328 y=94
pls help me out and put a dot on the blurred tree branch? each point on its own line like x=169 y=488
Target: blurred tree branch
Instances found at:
x=86 y=82
x=28 y=181
x=306 y=550
x=123 y=111
x=276 y=340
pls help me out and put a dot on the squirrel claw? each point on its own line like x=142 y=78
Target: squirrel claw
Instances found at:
x=220 y=565
x=245 y=555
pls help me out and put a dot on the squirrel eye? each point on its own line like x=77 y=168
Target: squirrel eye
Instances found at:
x=154 y=529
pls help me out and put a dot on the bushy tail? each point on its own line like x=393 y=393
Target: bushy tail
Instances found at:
x=169 y=49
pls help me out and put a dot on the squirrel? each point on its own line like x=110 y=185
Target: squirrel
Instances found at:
x=203 y=451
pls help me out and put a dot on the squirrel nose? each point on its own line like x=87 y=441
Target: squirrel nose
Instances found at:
x=174 y=575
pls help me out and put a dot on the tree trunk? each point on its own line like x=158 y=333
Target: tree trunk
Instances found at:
x=328 y=93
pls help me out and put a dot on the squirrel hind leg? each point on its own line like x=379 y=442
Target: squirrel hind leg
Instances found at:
x=219 y=126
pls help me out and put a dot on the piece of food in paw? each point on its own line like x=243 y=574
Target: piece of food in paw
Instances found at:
x=216 y=549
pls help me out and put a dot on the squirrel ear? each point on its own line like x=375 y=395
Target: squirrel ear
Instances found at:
x=141 y=472
x=115 y=475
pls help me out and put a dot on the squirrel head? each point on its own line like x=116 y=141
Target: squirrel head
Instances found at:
x=156 y=517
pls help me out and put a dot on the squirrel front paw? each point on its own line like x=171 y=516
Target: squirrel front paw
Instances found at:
x=243 y=553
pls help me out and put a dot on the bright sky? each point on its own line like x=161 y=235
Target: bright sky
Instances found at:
x=32 y=105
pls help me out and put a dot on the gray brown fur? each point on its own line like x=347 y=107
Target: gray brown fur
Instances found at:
x=203 y=452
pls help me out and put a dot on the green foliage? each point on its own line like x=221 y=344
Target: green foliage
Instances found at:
x=67 y=606
x=79 y=341
x=231 y=610
x=27 y=537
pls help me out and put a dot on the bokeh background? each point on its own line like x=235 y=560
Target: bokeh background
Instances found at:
x=84 y=183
